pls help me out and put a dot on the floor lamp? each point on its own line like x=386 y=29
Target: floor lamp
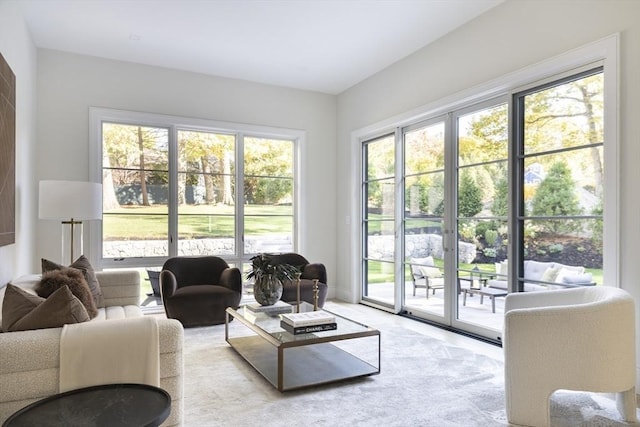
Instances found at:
x=71 y=202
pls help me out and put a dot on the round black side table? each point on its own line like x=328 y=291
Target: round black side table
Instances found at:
x=134 y=405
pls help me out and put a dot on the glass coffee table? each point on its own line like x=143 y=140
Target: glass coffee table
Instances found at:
x=291 y=361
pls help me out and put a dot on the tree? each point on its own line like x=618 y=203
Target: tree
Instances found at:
x=131 y=152
x=207 y=158
x=500 y=204
x=469 y=197
x=556 y=197
x=268 y=171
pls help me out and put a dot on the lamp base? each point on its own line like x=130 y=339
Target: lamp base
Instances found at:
x=71 y=241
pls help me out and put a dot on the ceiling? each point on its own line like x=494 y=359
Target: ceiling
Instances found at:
x=318 y=45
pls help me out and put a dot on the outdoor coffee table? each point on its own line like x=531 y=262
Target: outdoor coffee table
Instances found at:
x=290 y=361
x=492 y=293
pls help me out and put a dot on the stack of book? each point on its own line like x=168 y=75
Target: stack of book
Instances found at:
x=253 y=310
x=279 y=307
x=304 y=323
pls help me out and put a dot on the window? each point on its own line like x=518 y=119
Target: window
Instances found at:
x=170 y=187
x=560 y=143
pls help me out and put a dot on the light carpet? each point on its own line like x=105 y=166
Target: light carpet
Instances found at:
x=424 y=381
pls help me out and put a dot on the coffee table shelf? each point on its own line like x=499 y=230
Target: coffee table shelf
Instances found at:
x=291 y=362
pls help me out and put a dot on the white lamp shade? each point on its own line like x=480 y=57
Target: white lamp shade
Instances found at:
x=76 y=200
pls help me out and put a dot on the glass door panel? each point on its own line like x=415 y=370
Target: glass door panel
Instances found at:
x=481 y=215
x=379 y=221
x=424 y=197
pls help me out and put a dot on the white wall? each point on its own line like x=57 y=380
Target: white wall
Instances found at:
x=20 y=53
x=69 y=84
x=511 y=36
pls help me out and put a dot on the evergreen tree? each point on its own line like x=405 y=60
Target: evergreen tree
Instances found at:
x=556 y=197
x=501 y=199
x=469 y=197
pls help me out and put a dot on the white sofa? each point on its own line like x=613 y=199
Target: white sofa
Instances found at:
x=557 y=275
x=30 y=360
x=580 y=339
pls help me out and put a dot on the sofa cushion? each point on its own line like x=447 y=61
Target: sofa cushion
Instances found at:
x=502 y=267
x=578 y=279
x=23 y=311
x=88 y=272
x=74 y=279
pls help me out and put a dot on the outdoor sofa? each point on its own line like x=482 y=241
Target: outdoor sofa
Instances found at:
x=541 y=276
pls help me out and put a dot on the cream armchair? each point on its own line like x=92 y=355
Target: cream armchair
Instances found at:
x=574 y=339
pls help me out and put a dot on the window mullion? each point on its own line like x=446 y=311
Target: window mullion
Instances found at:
x=173 y=192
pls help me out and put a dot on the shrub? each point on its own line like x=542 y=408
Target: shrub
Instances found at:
x=555 y=248
x=489 y=252
x=491 y=236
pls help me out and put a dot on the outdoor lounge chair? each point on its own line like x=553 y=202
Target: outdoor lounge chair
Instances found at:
x=426 y=275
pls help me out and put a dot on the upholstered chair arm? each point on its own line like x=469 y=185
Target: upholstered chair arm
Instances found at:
x=315 y=271
x=168 y=283
x=232 y=279
x=543 y=299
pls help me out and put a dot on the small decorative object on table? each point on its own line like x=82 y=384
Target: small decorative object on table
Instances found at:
x=298 y=274
x=268 y=277
x=316 y=292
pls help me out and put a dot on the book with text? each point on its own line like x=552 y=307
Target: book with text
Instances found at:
x=310 y=318
x=296 y=330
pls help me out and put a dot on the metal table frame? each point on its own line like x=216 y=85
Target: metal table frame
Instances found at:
x=291 y=362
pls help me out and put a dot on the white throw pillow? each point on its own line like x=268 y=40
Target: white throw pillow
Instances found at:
x=431 y=272
x=563 y=273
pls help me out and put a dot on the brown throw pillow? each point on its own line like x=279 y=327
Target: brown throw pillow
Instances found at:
x=83 y=265
x=53 y=280
x=22 y=311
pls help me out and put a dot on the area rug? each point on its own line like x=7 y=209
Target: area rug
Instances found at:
x=424 y=381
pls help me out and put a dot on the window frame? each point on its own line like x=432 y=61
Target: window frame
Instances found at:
x=174 y=124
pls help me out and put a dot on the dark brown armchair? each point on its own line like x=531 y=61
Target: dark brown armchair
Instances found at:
x=197 y=290
x=309 y=272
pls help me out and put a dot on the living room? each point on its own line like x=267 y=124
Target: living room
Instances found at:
x=55 y=90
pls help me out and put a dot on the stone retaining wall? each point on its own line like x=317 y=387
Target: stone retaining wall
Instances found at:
x=380 y=247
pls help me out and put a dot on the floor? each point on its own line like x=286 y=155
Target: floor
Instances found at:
x=371 y=316
x=473 y=312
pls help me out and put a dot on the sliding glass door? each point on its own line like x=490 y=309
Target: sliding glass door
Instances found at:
x=501 y=196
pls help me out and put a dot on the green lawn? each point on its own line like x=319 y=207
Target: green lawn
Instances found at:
x=195 y=221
